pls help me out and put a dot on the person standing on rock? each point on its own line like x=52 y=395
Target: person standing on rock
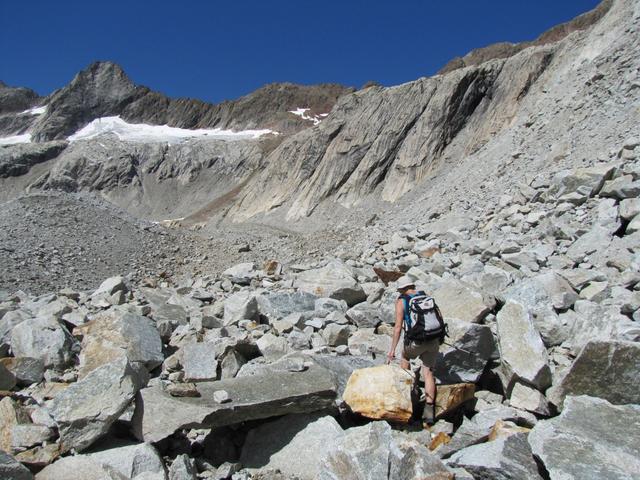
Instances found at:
x=426 y=350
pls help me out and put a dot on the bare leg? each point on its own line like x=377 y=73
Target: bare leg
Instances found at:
x=429 y=384
x=404 y=363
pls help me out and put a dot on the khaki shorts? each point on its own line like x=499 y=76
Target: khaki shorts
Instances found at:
x=428 y=352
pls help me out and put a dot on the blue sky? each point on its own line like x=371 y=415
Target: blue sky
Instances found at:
x=221 y=50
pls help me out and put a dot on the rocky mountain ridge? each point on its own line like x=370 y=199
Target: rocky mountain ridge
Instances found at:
x=256 y=350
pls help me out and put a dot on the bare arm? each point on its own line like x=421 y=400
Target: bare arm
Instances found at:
x=397 y=329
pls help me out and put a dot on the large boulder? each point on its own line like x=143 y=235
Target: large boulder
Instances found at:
x=11 y=469
x=240 y=306
x=596 y=322
x=381 y=393
x=7 y=378
x=44 y=338
x=242 y=273
x=365 y=315
x=118 y=334
x=505 y=458
x=266 y=394
x=26 y=370
x=547 y=290
x=607 y=370
x=7 y=322
x=366 y=342
x=85 y=410
x=478 y=428
x=584 y=181
x=590 y=440
x=199 y=361
x=131 y=461
x=522 y=353
x=277 y=305
x=293 y=444
x=79 y=466
x=373 y=451
x=457 y=300
x=335 y=280
x=464 y=360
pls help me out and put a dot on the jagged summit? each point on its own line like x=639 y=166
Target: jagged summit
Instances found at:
x=103 y=89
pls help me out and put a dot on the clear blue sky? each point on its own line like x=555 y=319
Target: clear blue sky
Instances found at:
x=216 y=50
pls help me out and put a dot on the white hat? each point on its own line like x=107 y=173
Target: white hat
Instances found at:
x=404 y=282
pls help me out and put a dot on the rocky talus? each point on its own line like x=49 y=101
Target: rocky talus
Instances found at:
x=227 y=375
x=192 y=347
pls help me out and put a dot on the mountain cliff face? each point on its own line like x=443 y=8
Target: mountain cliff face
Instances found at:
x=524 y=110
x=386 y=142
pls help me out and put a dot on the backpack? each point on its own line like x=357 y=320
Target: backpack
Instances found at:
x=422 y=319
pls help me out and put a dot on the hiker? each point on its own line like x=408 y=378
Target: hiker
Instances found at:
x=426 y=350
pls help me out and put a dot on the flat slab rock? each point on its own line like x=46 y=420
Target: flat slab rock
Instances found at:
x=253 y=397
x=591 y=440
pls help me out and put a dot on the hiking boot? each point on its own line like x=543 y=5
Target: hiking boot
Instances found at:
x=429 y=416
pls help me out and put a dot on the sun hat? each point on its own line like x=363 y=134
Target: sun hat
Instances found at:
x=404 y=282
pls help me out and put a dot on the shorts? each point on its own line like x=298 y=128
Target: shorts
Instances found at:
x=428 y=352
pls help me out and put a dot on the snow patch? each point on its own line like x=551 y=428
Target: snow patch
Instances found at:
x=302 y=113
x=35 y=111
x=24 y=138
x=140 y=132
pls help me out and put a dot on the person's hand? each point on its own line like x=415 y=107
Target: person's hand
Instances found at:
x=390 y=357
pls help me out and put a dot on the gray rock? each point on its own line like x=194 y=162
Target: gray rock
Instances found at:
x=503 y=458
x=7 y=322
x=629 y=208
x=85 y=410
x=272 y=347
x=372 y=451
x=299 y=340
x=596 y=239
x=587 y=181
x=464 y=360
x=44 y=338
x=529 y=399
x=24 y=436
x=116 y=333
x=522 y=352
x=182 y=468
x=266 y=394
x=79 y=466
x=221 y=396
x=366 y=342
x=231 y=364
x=132 y=461
x=608 y=370
x=277 y=305
x=477 y=429
x=621 y=188
x=596 y=322
x=331 y=305
x=336 y=335
x=335 y=280
x=457 y=300
x=242 y=274
x=547 y=290
x=590 y=440
x=365 y=315
x=240 y=306
x=199 y=362
x=293 y=444
x=109 y=287
x=7 y=378
x=11 y=469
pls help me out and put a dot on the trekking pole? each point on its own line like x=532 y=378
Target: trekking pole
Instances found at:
x=458 y=348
